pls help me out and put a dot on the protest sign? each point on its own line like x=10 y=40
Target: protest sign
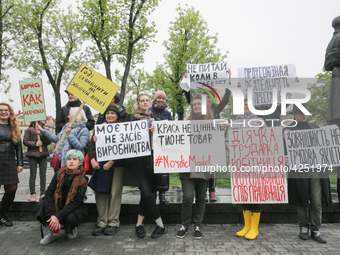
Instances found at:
x=122 y=140
x=32 y=100
x=257 y=166
x=92 y=88
x=313 y=149
x=188 y=146
x=263 y=79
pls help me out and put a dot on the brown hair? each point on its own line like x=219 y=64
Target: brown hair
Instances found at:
x=208 y=116
x=13 y=125
x=139 y=96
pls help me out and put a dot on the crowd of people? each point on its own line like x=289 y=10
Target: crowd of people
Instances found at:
x=62 y=203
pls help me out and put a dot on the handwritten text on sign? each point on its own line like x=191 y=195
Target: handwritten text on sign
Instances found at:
x=92 y=88
x=257 y=163
x=263 y=79
x=32 y=99
x=313 y=147
x=187 y=146
x=122 y=140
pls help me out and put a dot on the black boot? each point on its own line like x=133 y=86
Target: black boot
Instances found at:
x=162 y=199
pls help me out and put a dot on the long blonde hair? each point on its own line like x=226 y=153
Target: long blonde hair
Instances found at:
x=208 y=116
x=13 y=125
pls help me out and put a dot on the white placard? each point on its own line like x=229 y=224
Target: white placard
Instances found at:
x=313 y=149
x=187 y=146
x=122 y=140
x=257 y=166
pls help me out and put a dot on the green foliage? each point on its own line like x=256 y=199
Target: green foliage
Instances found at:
x=118 y=29
x=318 y=104
x=47 y=39
x=189 y=42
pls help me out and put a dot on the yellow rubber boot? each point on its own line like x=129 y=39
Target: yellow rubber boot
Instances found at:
x=254 y=226
x=246 y=216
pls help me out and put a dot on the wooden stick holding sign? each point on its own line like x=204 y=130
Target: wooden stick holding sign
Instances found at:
x=36 y=125
x=71 y=123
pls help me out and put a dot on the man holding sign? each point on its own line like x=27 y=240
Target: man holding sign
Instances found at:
x=307 y=187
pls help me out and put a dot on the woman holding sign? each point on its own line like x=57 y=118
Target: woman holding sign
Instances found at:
x=10 y=148
x=194 y=184
x=139 y=172
x=251 y=212
x=108 y=204
x=77 y=135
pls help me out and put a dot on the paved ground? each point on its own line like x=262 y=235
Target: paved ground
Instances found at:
x=23 y=238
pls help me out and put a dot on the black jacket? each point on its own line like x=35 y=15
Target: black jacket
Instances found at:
x=62 y=118
x=7 y=147
x=77 y=206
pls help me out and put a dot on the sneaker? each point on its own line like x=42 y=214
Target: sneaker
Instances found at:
x=48 y=238
x=304 y=233
x=162 y=199
x=73 y=234
x=42 y=197
x=198 y=233
x=98 y=231
x=206 y=198
x=158 y=231
x=33 y=198
x=318 y=236
x=212 y=197
x=110 y=230
x=140 y=231
x=6 y=222
x=182 y=232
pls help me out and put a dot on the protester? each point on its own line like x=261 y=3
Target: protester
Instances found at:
x=159 y=112
x=62 y=117
x=251 y=212
x=64 y=199
x=194 y=184
x=115 y=101
x=36 y=157
x=77 y=135
x=139 y=172
x=307 y=189
x=11 y=159
x=108 y=205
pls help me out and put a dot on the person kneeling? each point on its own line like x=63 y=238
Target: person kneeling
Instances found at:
x=64 y=199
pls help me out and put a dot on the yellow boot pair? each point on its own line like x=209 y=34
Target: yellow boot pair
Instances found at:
x=251 y=225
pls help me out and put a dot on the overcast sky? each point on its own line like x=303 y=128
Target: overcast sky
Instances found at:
x=255 y=32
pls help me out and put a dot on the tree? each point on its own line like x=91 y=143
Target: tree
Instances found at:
x=48 y=42
x=189 y=42
x=5 y=39
x=318 y=104
x=119 y=28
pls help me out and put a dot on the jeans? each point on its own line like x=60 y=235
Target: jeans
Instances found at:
x=33 y=162
x=312 y=216
x=147 y=201
x=191 y=187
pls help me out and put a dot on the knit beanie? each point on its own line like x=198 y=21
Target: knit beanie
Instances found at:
x=159 y=93
x=112 y=107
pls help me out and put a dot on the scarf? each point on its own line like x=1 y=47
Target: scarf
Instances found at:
x=78 y=181
x=157 y=107
x=75 y=103
x=139 y=115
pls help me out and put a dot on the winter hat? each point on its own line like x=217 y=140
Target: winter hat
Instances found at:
x=159 y=93
x=112 y=107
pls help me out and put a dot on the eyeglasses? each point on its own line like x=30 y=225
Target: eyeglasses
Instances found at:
x=4 y=110
x=144 y=100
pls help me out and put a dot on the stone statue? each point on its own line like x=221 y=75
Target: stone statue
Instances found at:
x=332 y=63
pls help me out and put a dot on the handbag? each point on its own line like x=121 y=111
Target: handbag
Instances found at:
x=55 y=161
x=101 y=180
x=162 y=182
x=87 y=165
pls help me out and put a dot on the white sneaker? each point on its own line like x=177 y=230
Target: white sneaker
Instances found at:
x=48 y=238
x=74 y=234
